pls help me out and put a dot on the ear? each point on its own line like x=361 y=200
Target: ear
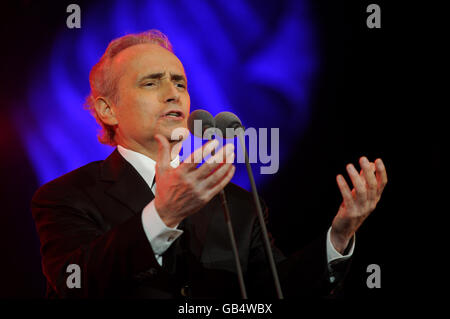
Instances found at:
x=105 y=112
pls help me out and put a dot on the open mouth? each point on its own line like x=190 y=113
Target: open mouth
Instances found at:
x=174 y=114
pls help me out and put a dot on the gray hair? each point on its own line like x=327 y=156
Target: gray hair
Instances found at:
x=103 y=83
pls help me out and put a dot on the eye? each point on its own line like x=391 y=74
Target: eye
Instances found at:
x=181 y=85
x=149 y=84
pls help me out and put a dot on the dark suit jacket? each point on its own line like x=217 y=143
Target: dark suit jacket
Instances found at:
x=92 y=217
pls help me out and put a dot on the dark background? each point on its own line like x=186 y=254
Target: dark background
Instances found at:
x=364 y=104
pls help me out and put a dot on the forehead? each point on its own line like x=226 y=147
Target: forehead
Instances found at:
x=139 y=60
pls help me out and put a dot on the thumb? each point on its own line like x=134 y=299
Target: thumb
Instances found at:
x=163 y=159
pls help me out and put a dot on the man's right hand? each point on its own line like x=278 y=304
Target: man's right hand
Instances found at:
x=184 y=190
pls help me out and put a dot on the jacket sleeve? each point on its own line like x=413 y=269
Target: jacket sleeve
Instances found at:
x=304 y=273
x=70 y=233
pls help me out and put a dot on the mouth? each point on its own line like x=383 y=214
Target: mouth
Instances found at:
x=174 y=115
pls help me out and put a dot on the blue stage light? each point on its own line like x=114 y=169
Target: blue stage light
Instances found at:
x=258 y=62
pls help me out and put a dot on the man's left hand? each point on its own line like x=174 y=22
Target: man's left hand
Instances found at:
x=358 y=203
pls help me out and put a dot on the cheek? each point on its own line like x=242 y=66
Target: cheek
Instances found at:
x=138 y=109
x=186 y=101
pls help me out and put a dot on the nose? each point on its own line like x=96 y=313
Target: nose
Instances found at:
x=170 y=94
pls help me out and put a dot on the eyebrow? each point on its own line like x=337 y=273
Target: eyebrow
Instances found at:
x=158 y=76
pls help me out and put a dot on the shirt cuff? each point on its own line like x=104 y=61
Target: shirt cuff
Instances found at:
x=158 y=234
x=333 y=255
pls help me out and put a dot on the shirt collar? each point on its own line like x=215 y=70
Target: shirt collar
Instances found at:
x=144 y=165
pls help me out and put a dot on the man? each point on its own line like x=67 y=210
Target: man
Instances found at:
x=140 y=224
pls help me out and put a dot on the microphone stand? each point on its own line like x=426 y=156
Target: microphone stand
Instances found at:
x=226 y=212
x=240 y=133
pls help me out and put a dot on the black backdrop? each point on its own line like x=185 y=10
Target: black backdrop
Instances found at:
x=363 y=105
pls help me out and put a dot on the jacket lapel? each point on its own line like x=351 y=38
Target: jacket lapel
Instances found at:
x=127 y=185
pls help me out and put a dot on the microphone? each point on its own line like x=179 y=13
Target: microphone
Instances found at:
x=207 y=121
x=227 y=122
x=230 y=124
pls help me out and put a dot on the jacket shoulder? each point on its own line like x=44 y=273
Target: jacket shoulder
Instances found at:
x=70 y=182
x=237 y=191
x=241 y=193
x=237 y=195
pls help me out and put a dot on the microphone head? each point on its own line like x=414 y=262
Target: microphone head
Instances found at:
x=206 y=119
x=226 y=120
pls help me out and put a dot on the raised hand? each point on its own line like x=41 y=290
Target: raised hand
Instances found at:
x=358 y=203
x=184 y=190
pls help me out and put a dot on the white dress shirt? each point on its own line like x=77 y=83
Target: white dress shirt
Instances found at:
x=161 y=237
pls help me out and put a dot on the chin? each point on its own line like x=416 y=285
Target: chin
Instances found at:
x=173 y=133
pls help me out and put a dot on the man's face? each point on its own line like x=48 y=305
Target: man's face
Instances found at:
x=153 y=97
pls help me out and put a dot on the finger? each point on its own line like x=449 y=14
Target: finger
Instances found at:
x=221 y=155
x=345 y=191
x=358 y=183
x=214 y=177
x=176 y=147
x=372 y=167
x=369 y=176
x=163 y=159
x=381 y=176
x=223 y=181
x=224 y=155
x=197 y=156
